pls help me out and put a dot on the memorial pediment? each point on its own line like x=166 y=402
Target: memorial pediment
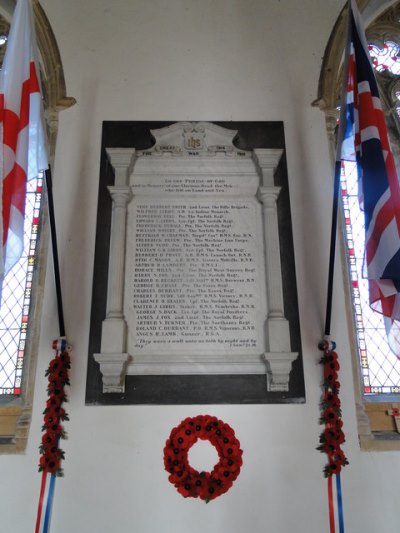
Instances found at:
x=193 y=138
x=194 y=275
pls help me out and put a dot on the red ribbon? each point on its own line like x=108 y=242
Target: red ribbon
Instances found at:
x=40 y=505
x=331 y=508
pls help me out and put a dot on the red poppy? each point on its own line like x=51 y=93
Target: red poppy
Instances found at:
x=331 y=400
x=62 y=375
x=54 y=383
x=53 y=401
x=340 y=437
x=340 y=457
x=329 y=416
x=184 y=438
x=57 y=392
x=50 y=463
x=333 y=468
x=169 y=451
x=55 y=428
x=175 y=477
x=202 y=485
x=232 y=465
x=338 y=423
x=228 y=431
x=51 y=418
x=329 y=447
x=330 y=373
x=185 y=489
x=60 y=411
x=49 y=440
x=54 y=365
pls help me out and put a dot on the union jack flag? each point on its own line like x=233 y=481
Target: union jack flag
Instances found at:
x=23 y=149
x=363 y=138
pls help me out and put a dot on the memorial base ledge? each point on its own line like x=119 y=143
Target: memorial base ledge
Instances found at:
x=207 y=364
x=279 y=365
x=115 y=366
x=113 y=369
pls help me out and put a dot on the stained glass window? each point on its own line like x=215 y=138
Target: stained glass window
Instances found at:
x=380 y=368
x=16 y=298
x=386 y=58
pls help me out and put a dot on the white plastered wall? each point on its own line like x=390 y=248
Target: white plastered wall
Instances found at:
x=194 y=60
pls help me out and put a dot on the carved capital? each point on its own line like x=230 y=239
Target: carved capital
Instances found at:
x=120 y=195
x=268 y=196
x=266 y=161
x=122 y=161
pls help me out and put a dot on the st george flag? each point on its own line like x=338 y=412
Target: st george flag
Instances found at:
x=363 y=137
x=23 y=148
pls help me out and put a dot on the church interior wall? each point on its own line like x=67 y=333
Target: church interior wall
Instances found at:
x=214 y=60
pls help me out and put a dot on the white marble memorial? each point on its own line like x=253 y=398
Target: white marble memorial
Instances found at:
x=194 y=283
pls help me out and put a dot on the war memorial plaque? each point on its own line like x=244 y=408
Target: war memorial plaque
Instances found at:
x=197 y=283
x=194 y=274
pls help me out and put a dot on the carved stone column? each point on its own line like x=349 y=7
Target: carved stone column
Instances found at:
x=279 y=357
x=268 y=197
x=113 y=357
x=120 y=198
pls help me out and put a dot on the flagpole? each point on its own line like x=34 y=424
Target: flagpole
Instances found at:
x=53 y=232
x=336 y=184
x=332 y=252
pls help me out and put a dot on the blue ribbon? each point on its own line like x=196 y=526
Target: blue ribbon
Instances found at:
x=339 y=503
x=49 y=504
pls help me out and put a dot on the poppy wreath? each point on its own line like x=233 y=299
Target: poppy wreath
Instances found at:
x=188 y=481
x=333 y=436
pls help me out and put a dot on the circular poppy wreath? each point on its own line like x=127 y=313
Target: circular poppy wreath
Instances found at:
x=188 y=481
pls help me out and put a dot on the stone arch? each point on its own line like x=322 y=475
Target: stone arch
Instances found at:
x=52 y=72
x=381 y=18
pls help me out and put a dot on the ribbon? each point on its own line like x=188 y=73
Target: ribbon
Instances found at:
x=49 y=504
x=339 y=503
x=40 y=504
x=331 y=509
x=332 y=528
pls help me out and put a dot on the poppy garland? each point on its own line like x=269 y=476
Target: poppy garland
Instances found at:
x=54 y=414
x=332 y=438
x=188 y=481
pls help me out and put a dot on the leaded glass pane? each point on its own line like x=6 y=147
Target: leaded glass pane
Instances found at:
x=380 y=368
x=16 y=298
